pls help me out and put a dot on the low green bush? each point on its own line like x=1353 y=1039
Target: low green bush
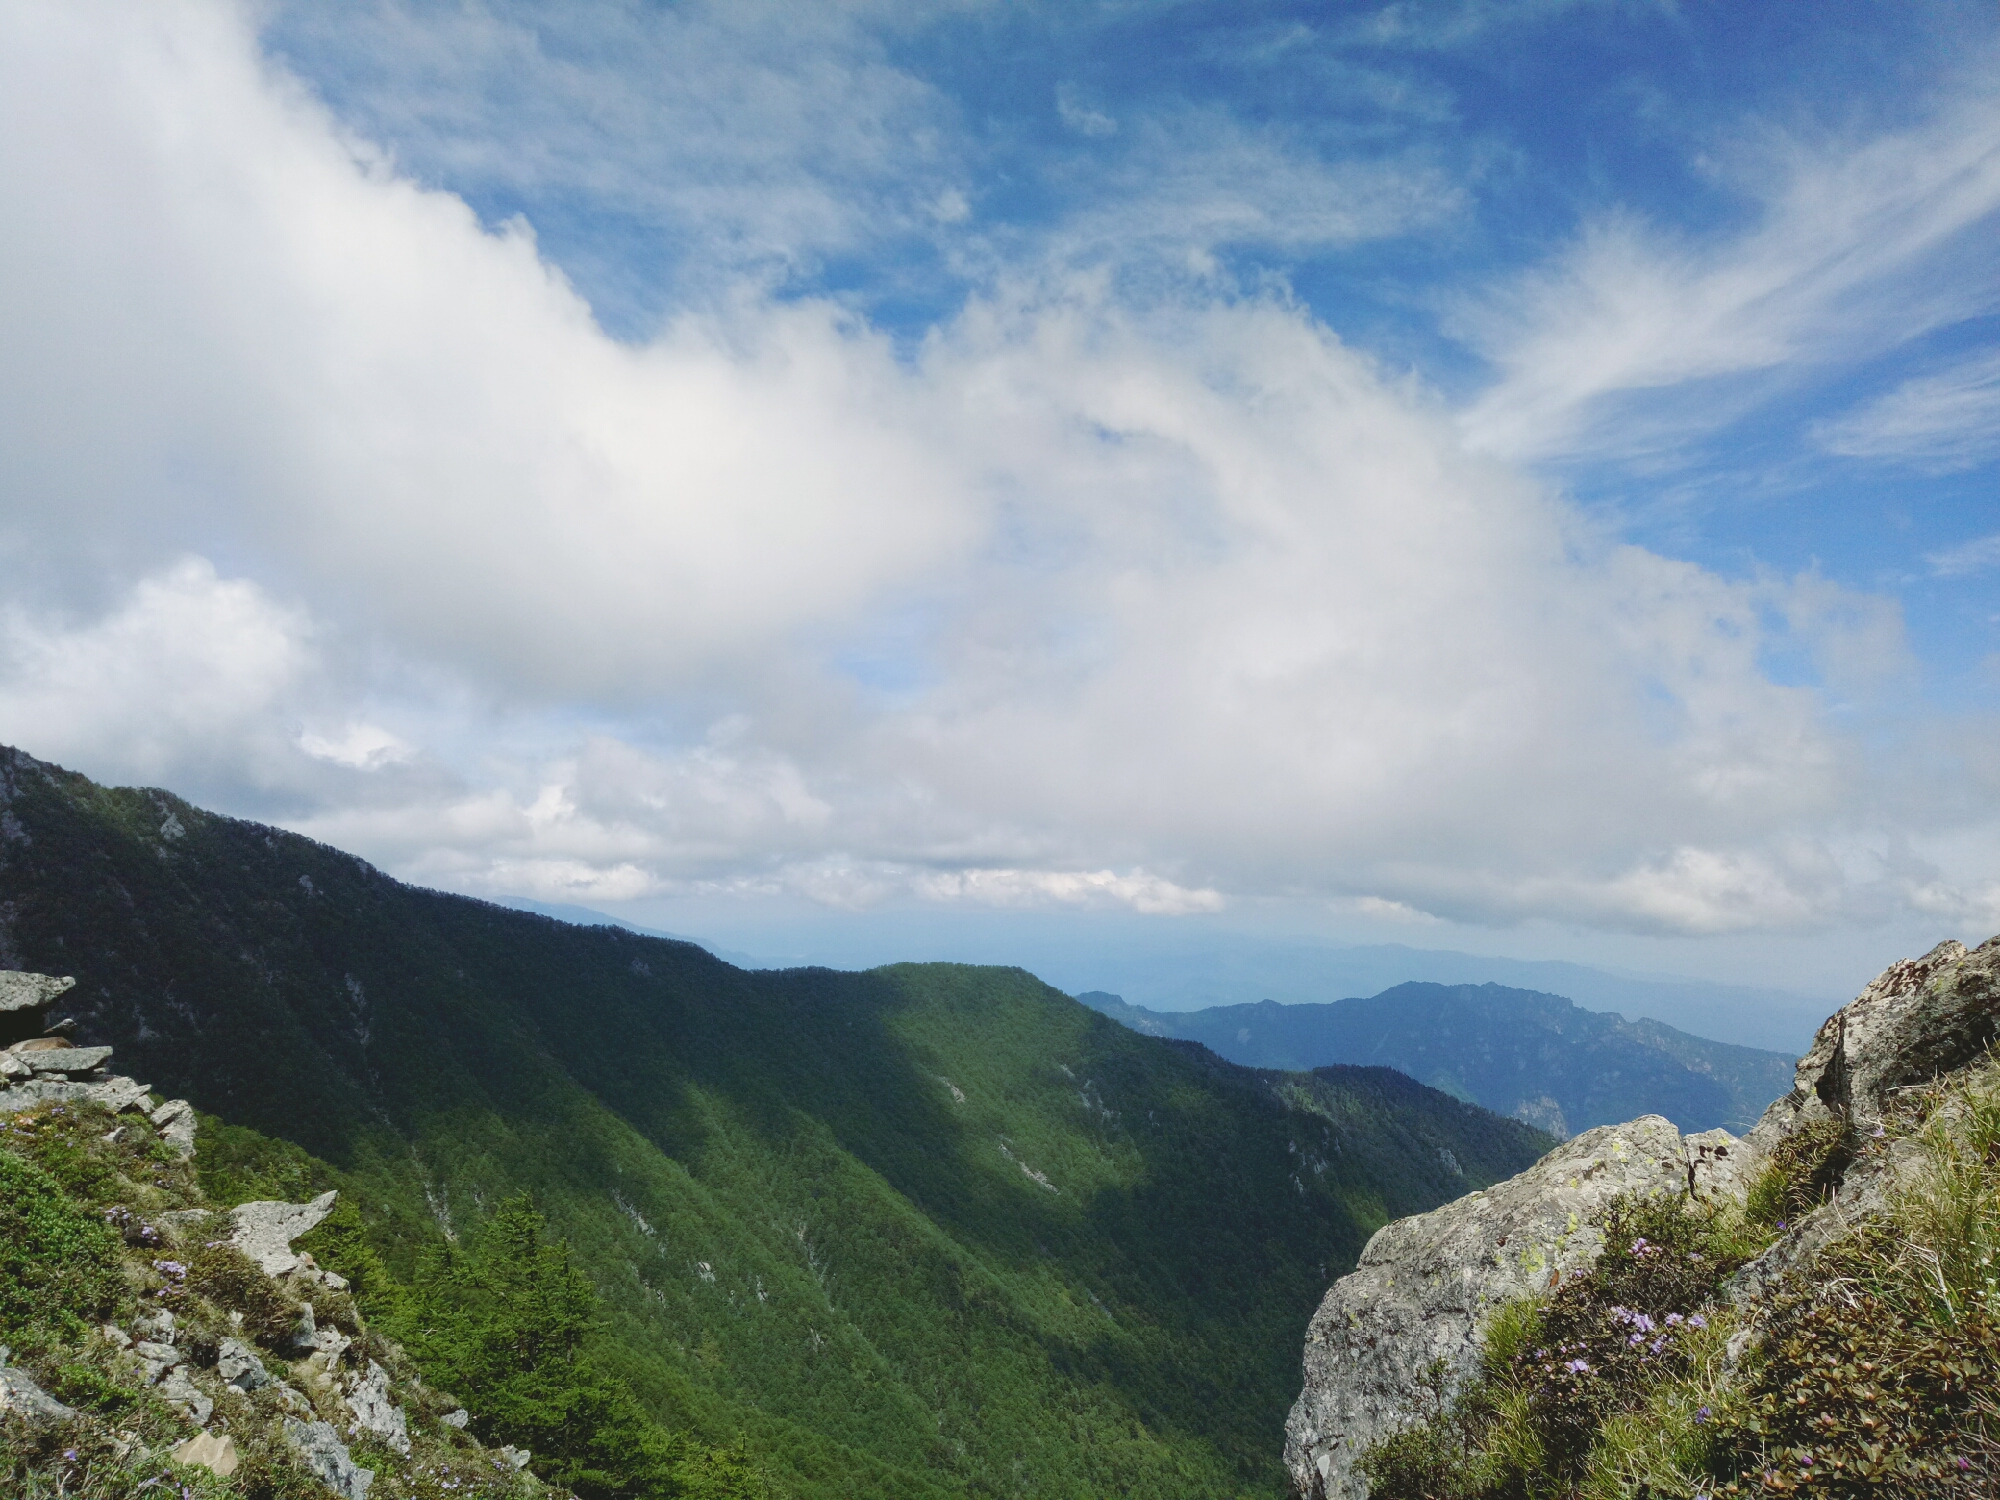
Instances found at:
x=59 y=1264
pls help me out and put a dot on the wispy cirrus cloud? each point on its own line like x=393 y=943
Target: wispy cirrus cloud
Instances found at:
x=1967 y=558
x=1938 y=423
x=1639 y=335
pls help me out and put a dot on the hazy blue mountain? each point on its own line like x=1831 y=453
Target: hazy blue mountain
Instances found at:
x=1194 y=965
x=925 y=1231
x=1535 y=1056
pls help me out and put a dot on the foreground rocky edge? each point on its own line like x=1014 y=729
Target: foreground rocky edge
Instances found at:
x=231 y=1364
x=1394 y=1341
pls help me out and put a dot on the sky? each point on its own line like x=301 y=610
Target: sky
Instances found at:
x=1513 y=477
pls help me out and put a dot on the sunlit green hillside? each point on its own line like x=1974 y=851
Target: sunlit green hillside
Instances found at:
x=929 y=1230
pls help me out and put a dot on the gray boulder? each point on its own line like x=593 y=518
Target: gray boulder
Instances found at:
x=1425 y=1285
x=264 y=1231
x=368 y=1399
x=21 y=1397
x=67 y=1062
x=175 y=1122
x=20 y=990
x=158 y=1359
x=177 y=1387
x=319 y=1447
x=1918 y=1020
x=238 y=1365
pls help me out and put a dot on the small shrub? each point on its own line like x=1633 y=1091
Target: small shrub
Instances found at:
x=86 y=1386
x=1852 y=1399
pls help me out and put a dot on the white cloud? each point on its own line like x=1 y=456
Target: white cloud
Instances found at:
x=190 y=674
x=1966 y=558
x=361 y=747
x=1939 y=423
x=1181 y=605
x=1849 y=254
x=1081 y=118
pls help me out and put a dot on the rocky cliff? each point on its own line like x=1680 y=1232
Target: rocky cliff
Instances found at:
x=1394 y=1339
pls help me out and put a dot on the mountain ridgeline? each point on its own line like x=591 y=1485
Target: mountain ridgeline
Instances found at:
x=929 y=1230
x=1537 y=1057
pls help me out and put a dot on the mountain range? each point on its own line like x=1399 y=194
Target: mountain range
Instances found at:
x=929 y=1230
x=1538 y=1057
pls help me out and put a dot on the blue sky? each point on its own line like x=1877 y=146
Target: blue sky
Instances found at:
x=1514 y=477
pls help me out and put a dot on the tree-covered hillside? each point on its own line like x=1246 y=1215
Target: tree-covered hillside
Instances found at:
x=925 y=1231
x=1535 y=1056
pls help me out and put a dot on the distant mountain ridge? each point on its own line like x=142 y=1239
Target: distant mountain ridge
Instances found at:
x=1537 y=1057
x=1227 y=970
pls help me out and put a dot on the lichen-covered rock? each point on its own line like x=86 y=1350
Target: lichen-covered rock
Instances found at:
x=238 y=1365
x=119 y=1095
x=1918 y=1020
x=319 y=1447
x=180 y=1392
x=175 y=1122
x=22 y=991
x=21 y=1397
x=1426 y=1283
x=368 y=1399
x=264 y=1231
x=67 y=1061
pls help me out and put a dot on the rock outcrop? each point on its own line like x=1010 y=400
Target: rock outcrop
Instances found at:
x=265 y=1231
x=1425 y=1284
x=322 y=1451
x=42 y=1066
x=24 y=1002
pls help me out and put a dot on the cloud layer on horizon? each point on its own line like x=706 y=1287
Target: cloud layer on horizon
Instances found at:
x=330 y=503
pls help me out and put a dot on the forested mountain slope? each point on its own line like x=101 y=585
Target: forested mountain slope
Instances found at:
x=929 y=1230
x=1538 y=1057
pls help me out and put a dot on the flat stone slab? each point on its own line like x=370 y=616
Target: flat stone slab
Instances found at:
x=264 y=1231
x=71 y=1061
x=20 y=990
x=116 y=1094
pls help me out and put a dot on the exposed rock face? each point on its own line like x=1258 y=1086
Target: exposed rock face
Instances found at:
x=322 y=1451
x=1919 y=1020
x=375 y=1412
x=1425 y=1283
x=238 y=1365
x=64 y=1061
x=265 y=1231
x=37 y=1070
